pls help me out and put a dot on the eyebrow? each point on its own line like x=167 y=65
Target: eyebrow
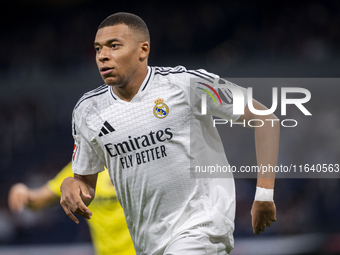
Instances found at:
x=107 y=42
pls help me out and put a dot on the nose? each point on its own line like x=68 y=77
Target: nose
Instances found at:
x=103 y=55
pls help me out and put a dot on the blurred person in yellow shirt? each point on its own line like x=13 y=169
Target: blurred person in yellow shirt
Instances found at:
x=108 y=229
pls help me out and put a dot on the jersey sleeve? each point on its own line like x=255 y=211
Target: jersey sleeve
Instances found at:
x=54 y=184
x=85 y=159
x=223 y=98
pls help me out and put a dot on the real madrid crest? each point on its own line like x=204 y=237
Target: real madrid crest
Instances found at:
x=161 y=110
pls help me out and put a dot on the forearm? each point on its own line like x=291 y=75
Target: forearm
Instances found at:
x=267 y=149
x=40 y=198
x=88 y=182
x=76 y=194
x=20 y=197
x=90 y=188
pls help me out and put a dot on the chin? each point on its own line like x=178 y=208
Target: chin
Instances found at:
x=110 y=81
x=115 y=82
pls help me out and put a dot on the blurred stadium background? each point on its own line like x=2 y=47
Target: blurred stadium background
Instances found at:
x=47 y=63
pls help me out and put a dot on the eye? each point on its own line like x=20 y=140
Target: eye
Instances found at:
x=97 y=49
x=114 y=45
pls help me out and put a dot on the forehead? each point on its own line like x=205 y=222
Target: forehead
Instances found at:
x=121 y=32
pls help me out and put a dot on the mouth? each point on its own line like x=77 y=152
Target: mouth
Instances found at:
x=105 y=70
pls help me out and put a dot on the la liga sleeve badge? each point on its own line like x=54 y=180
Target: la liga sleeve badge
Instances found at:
x=75 y=149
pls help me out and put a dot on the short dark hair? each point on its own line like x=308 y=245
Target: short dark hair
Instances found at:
x=131 y=20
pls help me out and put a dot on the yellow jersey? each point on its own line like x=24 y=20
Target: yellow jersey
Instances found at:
x=108 y=229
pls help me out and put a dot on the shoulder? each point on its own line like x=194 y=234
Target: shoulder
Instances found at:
x=182 y=78
x=181 y=74
x=90 y=98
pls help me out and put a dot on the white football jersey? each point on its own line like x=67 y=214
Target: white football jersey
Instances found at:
x=150 y=147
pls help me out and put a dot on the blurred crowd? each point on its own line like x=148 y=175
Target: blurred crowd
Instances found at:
x=223 y=33
x=46 y=50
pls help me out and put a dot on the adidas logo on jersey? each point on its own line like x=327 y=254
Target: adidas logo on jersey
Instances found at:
x=106 y=129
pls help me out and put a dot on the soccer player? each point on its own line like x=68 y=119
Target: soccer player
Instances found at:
x=108 y=229
x=146 y=126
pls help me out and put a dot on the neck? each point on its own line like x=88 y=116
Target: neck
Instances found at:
x=127 y=91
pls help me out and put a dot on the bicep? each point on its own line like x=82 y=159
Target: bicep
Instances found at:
x=248 y=115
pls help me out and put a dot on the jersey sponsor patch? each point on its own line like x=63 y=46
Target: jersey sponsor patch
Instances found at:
x=161 y=110
x=141 y=149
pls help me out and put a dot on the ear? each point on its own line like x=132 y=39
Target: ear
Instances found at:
x=144 y=50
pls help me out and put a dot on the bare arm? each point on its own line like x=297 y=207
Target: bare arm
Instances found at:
x=20 y=196
x=267 y=148
x=76 y=194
